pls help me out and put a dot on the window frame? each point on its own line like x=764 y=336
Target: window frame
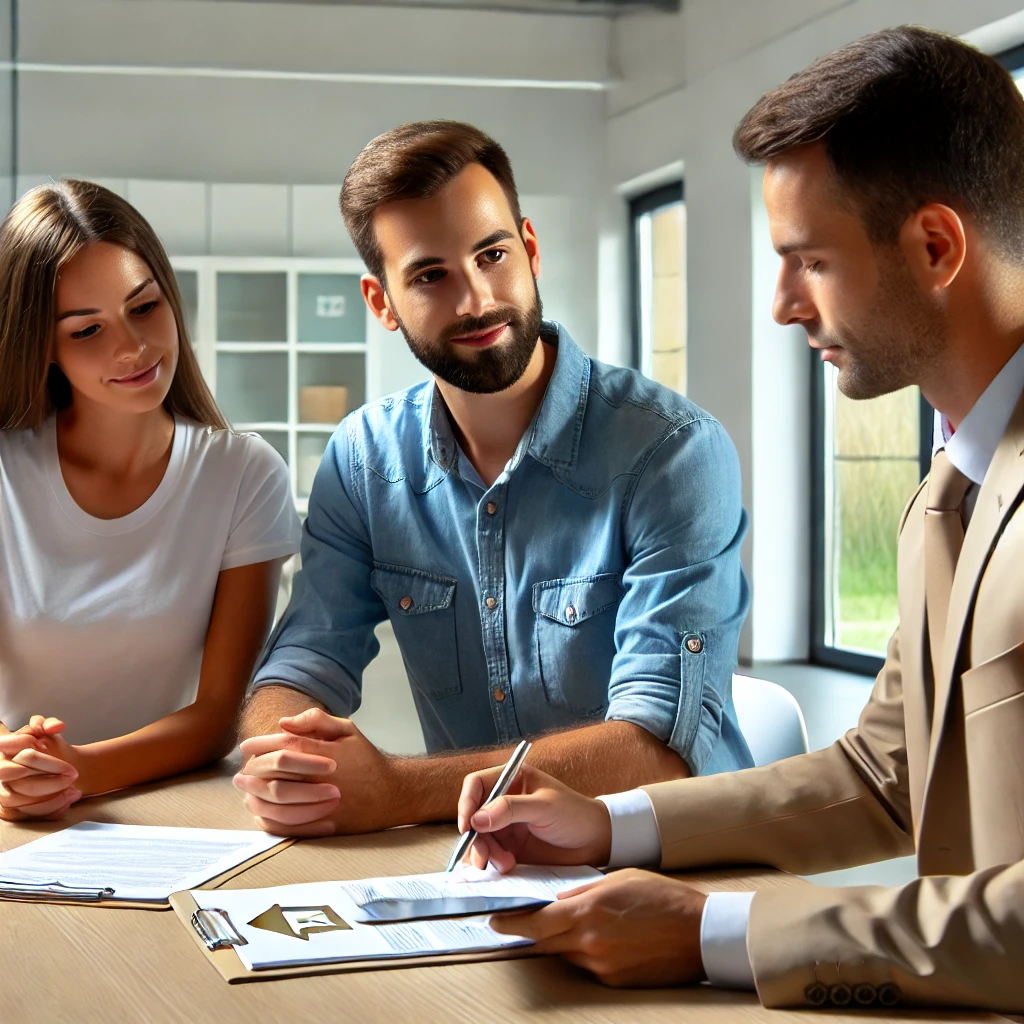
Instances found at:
x=647 y=202
x=821 y=653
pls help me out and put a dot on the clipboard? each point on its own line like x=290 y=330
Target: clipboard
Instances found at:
x=75 y=896
x=215 y=936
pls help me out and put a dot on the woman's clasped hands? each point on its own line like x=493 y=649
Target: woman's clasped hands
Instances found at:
x=38 y=776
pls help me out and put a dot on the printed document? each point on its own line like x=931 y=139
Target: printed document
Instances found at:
x=143 y=863
x=525 y=880
x=319 y=922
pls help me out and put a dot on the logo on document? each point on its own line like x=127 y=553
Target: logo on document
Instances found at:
x=299 y=922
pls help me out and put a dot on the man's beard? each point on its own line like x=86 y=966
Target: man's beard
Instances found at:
x=899 y=338
x=485 y=371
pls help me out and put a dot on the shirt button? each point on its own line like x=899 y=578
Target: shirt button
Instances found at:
x=694 y=644
x=491 y=602
x=406 y=603
x=570 y=614
x=499 y=695
x=491 y=508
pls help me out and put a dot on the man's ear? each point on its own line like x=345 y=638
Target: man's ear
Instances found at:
x=934 y=241
x=529 y=237
x=376 y=297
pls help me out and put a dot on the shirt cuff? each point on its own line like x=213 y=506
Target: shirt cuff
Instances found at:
x=723 y=939
x=635 y=837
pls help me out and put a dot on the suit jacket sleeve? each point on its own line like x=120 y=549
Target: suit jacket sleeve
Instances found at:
x=945 y=941
x=844 y=805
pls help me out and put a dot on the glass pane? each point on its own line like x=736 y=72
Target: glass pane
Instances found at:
x=188 y=287
x=872 y=468
x=322 y=377
x=331 y=309
x=253 y=387
x=252 y=307
x=309 y=452
x=661 y=241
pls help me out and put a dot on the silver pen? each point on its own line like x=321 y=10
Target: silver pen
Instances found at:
x=505 y=779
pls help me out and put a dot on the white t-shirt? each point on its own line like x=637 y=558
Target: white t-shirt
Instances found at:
x=103 y=621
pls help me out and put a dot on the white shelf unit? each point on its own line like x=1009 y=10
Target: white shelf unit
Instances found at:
x=263 y=328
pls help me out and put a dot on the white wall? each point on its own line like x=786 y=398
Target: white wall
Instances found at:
x=134 y=93
x=686 y=83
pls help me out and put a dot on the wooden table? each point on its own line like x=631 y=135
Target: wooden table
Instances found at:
x=83 y=964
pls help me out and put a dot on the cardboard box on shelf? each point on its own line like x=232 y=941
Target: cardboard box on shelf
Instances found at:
x=322 y=404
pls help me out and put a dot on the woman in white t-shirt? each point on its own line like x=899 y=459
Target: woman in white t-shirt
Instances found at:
x=141 y=540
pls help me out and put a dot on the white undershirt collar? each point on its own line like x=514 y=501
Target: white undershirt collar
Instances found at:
x=974 y=443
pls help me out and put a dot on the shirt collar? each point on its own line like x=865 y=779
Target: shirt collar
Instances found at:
x=554 y=433
x=971 y=447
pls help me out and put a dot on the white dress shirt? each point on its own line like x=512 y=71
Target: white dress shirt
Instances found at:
x=635 y=839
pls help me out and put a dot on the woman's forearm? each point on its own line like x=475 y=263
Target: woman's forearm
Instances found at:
x=191 y=737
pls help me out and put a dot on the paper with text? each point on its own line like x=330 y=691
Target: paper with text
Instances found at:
x=525 y=880
x=139 y=862
x=317 y=923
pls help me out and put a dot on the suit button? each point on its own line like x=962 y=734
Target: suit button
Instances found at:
x=889 y=994
x=491 y=508
x=694 y=644
x=864 y=994
x=499 y=695
x=840 y=995
x=816 y=994
x=406 y=603
x=491 y=603
x=570 y=614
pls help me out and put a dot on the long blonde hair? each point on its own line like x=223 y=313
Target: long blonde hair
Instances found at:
x=41 y=232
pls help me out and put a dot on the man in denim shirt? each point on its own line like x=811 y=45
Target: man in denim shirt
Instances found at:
x=555 y=541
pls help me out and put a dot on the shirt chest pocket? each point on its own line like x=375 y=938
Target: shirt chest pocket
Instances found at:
x=575 y=639
x=421 y=607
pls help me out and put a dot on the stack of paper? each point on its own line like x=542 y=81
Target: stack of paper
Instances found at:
x=319 y=922
x=140 y=863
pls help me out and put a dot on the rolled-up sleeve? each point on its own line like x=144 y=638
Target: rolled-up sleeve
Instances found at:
x=325 y=638
x=678 y=625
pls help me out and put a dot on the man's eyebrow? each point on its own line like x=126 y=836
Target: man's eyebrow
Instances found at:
x=92 y=312
x=501 y=235
x=785 y=250
x=421 y=264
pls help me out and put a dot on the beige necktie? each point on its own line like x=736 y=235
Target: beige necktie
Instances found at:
x=943 y=539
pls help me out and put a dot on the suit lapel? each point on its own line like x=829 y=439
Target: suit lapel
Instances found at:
x=996 y=500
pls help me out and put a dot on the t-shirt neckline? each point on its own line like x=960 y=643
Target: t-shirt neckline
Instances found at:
x=109 y=527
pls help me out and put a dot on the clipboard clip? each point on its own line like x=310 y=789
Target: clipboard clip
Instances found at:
x=214 y=927
x=53 y=889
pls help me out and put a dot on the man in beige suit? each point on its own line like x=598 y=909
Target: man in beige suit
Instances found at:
x=894 y=182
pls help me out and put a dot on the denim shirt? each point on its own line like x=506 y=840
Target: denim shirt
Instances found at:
x=597 y=578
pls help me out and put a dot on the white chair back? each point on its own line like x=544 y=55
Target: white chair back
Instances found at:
x=770 y=719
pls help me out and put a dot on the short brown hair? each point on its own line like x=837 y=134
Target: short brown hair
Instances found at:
x=907 y=117
x=415 y=161
x=41 y=232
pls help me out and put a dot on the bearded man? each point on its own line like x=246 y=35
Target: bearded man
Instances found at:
x=555 y=541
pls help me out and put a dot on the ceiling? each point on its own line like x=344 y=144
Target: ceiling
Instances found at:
x=606 y=8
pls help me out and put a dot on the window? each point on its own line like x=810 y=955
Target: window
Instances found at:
x=658 y=258
x=869 y=456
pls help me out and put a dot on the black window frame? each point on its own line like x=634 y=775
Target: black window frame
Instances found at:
x=647 y=202
x=821 y=653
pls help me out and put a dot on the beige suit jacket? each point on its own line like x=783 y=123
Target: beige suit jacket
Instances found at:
x=935 y=764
